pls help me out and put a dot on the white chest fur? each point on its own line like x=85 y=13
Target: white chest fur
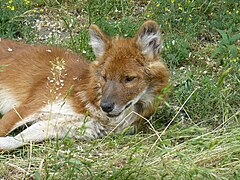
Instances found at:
x=61 y=107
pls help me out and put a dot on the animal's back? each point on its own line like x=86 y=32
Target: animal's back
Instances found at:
x=28 y=68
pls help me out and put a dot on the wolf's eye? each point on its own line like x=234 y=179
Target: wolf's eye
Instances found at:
x=129 y=79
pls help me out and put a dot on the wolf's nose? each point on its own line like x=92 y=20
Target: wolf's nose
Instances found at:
x=107 y=106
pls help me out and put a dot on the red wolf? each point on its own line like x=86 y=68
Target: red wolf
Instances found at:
x=60 y=93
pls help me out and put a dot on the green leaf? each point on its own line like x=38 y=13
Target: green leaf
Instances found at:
x=225 y=38
x=233 y=50
x=216 y=52
x=223 y=76
x=234 y=38
x=37 y=175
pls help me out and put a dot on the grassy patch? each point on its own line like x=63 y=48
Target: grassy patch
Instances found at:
x=197 y=132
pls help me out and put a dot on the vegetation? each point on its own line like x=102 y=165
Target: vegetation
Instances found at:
x=195 y=135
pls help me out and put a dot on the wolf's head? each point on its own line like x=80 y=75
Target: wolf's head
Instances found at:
x=128 y=68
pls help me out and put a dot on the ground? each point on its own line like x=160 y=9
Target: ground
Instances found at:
x=195 y=135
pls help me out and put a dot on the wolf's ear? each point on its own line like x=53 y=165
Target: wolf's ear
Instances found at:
x=149 y=39
x=98 y=40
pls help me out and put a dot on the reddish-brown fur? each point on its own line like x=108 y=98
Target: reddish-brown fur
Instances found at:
x=118 y=75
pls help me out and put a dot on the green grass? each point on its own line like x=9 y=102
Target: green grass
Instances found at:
x=196 y=134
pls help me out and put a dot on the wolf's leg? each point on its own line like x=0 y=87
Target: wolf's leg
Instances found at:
x=29 y=107
x=55 y=128
x=12 y=120
x=35 y=133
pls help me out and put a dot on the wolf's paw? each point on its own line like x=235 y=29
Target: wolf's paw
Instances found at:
x=9 y=143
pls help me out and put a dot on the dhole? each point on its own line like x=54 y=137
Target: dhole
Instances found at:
x=61 y=94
